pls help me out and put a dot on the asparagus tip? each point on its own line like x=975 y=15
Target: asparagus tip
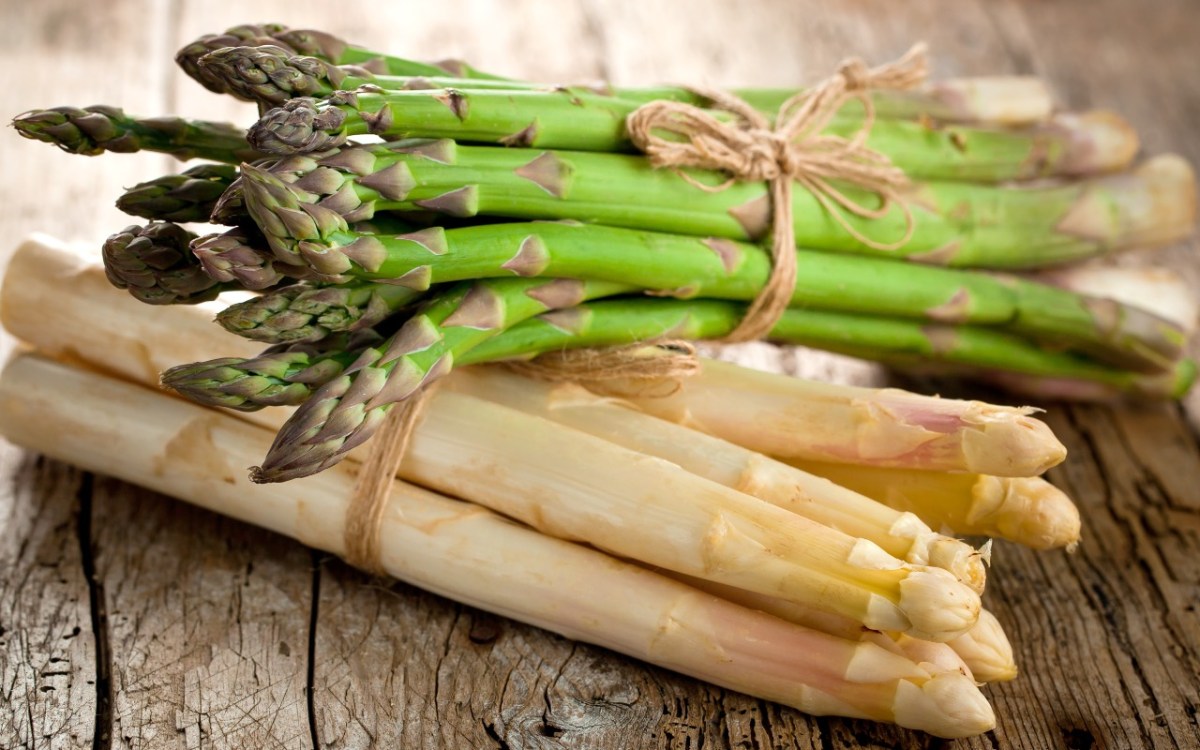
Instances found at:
x=947 y=705
x=986 y=650
x=938 y=605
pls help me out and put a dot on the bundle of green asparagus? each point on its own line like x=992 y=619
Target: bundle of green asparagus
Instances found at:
x=834 y=600
x=394 y=221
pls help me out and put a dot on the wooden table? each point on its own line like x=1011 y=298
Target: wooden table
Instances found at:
x=131 y=620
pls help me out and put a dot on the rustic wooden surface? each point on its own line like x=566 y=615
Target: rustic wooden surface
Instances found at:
x=129 y=620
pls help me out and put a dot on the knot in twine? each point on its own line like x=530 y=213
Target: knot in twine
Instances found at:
x=793 y=150
x=748 y=149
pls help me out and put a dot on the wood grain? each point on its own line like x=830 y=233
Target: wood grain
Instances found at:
x=205 y=633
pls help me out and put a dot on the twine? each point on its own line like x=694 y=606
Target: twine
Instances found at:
x=373 y=486
x=749 y=148
x=793 y=151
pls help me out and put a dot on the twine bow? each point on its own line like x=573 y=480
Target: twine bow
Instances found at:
x=794 y=150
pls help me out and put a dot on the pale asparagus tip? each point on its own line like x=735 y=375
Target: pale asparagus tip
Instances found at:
x=938 y=606
x=1012 y=446
x=1164 y=209
x=1047 y=519
x=947 y=705
x=966 y=563
x=1098 y=141
x=986 y=650
x=1004 y=100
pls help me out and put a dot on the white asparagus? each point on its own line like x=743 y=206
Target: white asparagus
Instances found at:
x=793 y=418
x=983 y=652
x=588 y=488
x=1026 y=510
x=902 y=535
x=465 y=552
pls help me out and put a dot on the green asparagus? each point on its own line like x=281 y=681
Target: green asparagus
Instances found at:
x=94 y=130
x=153 y=262
x=683 y=266
x=188 y=196
x=347 y=410
x=956 y=224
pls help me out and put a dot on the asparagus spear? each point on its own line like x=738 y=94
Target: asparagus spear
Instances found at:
x=982 y=653
x=94 y=130
x=603 y=494
x=282 y=378
x=236 y=257
x=972 y=351
x=188 y=196
x=347 y=410
x=1121 y=335
x=976 y=352
x=474 y=556
x=1012 y=100
x=188 y=57
x=1026 y=510
x=572 y=118
x=957 y=224
x=153 y=262
x=302 y=313
x=900 y=535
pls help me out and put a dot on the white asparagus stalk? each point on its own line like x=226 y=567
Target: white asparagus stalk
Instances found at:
x=793 y=418
x=1026 y=510
x=937 y=657
x=575 y=486
x=590 y=489
x=983 y=652
x=469 y=554
x=900 y=534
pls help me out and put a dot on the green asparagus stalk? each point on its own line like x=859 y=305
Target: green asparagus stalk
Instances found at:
x=94 y=130
x=239 y=256
x=972 y=350
x=566 y=119
x=1117 y=334
x=956 y=224
x=578 y=119
x=188 y=196
x=975 y=352
x=284 y=378
x=347 y=410
x=188 y=57
x=302 y=313
x=153 y=262
x=1008 y=100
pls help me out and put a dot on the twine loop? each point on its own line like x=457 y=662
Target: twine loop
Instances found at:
x=792 y=150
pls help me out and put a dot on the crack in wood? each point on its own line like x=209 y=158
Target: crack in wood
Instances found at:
x=102 y=736
x=311 y=667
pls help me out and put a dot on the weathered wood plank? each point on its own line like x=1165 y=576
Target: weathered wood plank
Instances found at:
x=51 y=665
x=48 y=660
x=208 y=624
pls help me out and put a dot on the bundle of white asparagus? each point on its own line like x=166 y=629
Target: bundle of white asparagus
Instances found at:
x=788 y=539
